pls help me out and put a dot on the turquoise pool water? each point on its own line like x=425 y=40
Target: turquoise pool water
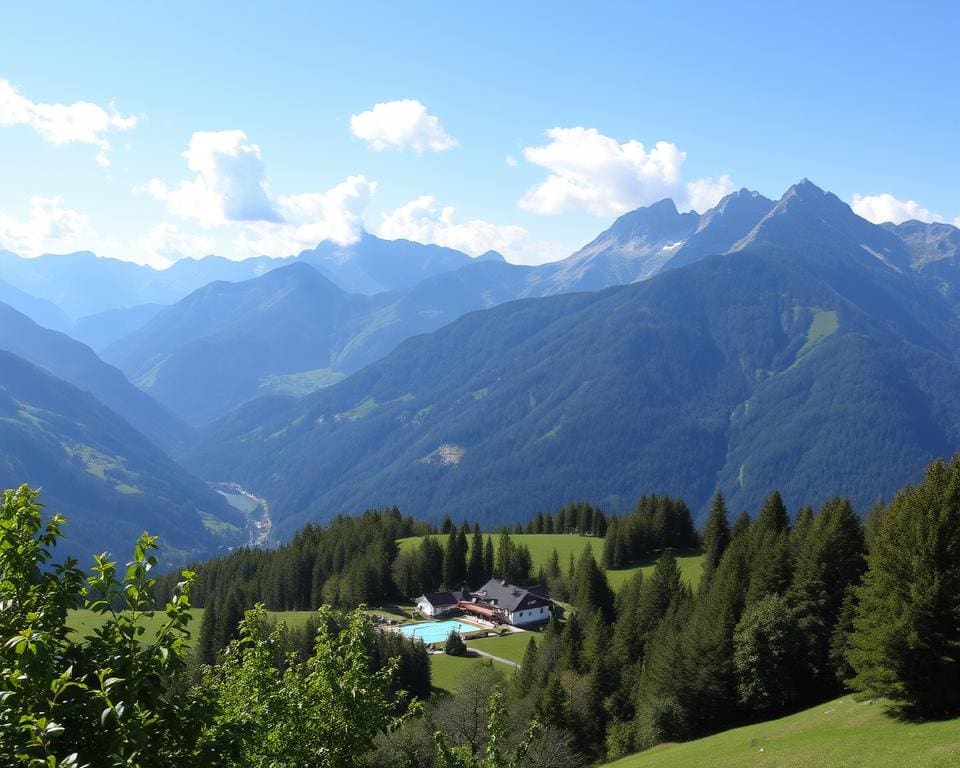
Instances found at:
x=436 y=631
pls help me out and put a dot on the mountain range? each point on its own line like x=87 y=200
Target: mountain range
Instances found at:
x=106 y=477
x=810 y=356
x=763 y=344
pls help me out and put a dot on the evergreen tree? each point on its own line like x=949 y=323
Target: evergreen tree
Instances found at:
x=590 y=590
x=906 y=640
x=773 y=514
x=829 y=562
x=454 y=645
x=716 y=537
x=765 y=642
x=526 y=678
x=488 y=565
x=741 y=525
x=505 y=556
x=475 y=571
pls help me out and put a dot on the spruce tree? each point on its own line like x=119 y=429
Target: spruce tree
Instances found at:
x=741 y=525
x=906 y=640
x=716 y=537
x=475 y=570
x=488 y=565
x=829 y=562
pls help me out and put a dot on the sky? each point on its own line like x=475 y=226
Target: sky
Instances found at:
x=153 y=132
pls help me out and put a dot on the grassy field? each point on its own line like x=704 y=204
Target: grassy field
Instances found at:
x=542 y=545
x=448 y=672
x=838 y=734
x=509 y=647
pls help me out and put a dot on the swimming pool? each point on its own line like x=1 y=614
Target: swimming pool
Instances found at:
x=436 y=631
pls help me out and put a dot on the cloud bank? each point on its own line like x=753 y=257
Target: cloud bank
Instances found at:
x=228 y=185
x=401 y=124
x=80 y=122
x=885 y=207
x=424 y=221
x=588 y=171
x=49 y=227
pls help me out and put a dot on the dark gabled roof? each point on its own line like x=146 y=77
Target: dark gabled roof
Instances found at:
x=441 y=598
x=511 y=597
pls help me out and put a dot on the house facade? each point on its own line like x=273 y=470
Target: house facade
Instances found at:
x=497 y=601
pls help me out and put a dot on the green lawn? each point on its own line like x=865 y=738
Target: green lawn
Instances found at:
x=510 y=647
x=542 y=545
x=838 y=734
x=84 y=622
x=447 y=672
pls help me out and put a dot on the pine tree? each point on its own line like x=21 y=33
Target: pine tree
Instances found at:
x=505 y=555
x=488 y=565
x=716 y=537
x=525 y=681
x=829 y=561
x=590 y=590
x=741 y=525
x=475 y=571
x=906 y=640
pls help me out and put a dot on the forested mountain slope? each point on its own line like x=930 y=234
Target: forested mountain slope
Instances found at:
x=805 y=361
x=104 y=476
x=77 y=364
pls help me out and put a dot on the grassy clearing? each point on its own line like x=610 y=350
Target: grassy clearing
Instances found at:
x=510 y=647
x=542 y=545
x=838 y=734
x=85 y=622
x=448 y=672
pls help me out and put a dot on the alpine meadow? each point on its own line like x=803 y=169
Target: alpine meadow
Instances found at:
x=552 y=385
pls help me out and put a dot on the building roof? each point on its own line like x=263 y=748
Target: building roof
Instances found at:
x=511 y=597
x=440 y=599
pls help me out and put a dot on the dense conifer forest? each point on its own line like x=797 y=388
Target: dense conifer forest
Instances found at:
x=790 y=611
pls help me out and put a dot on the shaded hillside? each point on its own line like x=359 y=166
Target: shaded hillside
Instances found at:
x=818 y=370
x=290 y=331
x=61 y=356
x=106 y=477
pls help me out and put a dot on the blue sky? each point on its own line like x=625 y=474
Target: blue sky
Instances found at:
x=525 y=127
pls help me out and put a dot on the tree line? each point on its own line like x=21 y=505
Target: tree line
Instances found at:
x=788 y=612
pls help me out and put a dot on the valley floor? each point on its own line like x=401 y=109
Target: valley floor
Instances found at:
x=838 y=734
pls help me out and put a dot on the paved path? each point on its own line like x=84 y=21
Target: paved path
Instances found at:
x=495 y=658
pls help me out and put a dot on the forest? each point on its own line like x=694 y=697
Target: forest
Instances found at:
x=790 y=611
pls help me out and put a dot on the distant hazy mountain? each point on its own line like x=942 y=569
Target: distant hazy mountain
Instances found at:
x=805 y=359
x=102 y=329
x=372 y=265
x=107 y=478
x=83 y=284
x=61 y=356
x=41 y=311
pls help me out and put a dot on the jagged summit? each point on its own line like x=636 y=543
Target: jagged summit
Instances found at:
x=722 y=226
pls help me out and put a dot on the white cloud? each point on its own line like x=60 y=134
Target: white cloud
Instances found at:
x=424 y=221
x=956 y=222
x=49 y=228
x=400 y=124
x=80 y=122
x=704 y=194
x=885 y=207
x=511 y=161
x=592 y=172
x=166 y=243
x=310 y=218
x=229 y=184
